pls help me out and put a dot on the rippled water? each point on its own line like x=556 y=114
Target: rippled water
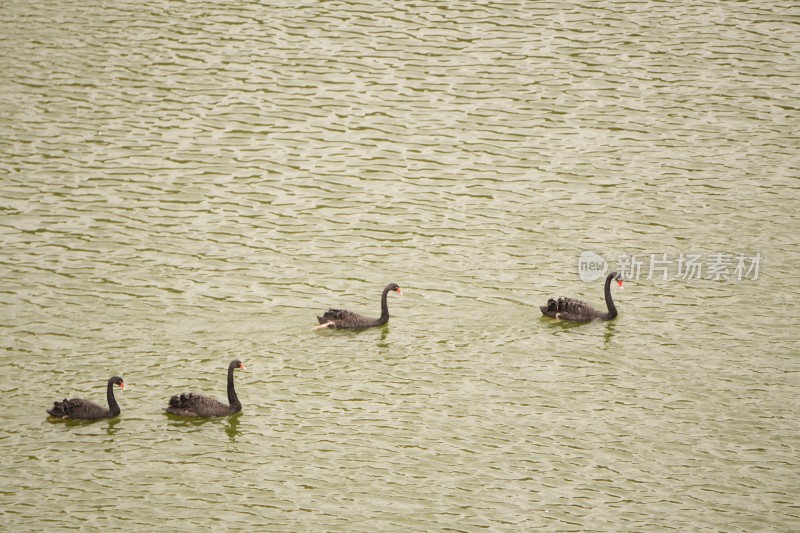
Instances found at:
x=188 y=182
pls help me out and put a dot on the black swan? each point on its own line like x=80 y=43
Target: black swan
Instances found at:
x=194 y=404
x=79 y=408
x=579 y=311
x=342 y=319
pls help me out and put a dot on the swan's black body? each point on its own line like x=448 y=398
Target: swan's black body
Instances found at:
x=78 y=408
x=343 y=319
x=576 y=310
x=195 y=404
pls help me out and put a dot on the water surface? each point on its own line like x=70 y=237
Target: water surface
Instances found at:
x=184 y=183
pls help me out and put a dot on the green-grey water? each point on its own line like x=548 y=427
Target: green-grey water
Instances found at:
x=184 y=183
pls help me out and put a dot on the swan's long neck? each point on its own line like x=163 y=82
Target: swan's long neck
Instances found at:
x=384 y=306
x=612 y=309
x=233 y=400
x=112 y=402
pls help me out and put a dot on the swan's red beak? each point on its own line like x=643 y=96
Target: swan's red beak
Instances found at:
x=122 y=385
x=619 y=281
x=241 y=365
x=399 y=291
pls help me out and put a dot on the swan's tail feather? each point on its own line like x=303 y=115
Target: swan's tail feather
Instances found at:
x=58 y=409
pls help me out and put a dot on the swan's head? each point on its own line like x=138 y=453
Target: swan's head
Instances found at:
x=116 y=380
x=238 y=364
x=395 y=287
x=618 y=278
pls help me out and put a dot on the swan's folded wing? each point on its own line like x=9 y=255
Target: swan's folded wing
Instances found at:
x=574 y=307
x=195 y=404
x=344 y=319
x=80 y=408
x=572 y=304
x=334 y=314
